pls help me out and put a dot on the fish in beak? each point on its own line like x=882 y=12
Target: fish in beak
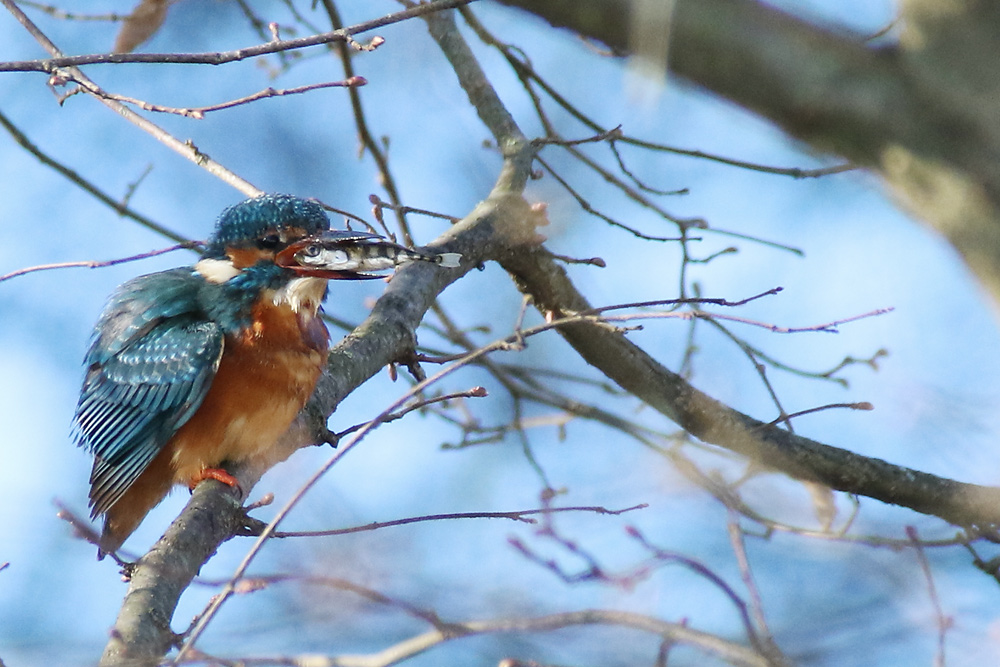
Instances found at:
x=348 y=255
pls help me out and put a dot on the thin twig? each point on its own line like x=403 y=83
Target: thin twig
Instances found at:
x=727 y=651
x=59 y=61
x=368 y=141
x=858 y=405
x=944 y=623
x=62 y=14
x=199 y=112
x=589 y=208
x=517 y=515
x=399 y=208
x=258 y=582
x=95 y=264
x=667 y=557
x=185 y=148
x=475 y=392
x=746 y=574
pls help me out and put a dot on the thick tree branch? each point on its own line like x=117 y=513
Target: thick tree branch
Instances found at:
x=922 y=113
x=142 y=633
x=713 y=422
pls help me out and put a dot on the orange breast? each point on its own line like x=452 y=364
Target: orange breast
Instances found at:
x=265 y=377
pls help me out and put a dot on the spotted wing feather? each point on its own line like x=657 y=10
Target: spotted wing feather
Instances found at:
x=148 y=369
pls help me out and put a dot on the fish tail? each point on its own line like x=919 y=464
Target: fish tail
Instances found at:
x=448 y=260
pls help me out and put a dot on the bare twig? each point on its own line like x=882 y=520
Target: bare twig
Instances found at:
x=860 y=405
x=662 y=556
x=95 y=264
x=585 y=204
x=368 y=141
x=475 y=392
x=73 y=73
x=523 y=516
x=399 y=208
x=944 y=623
x=199 y=112
x=62 y=14
x=746 y=574
x=679 y=633
x=59 y=61
x=522 y=66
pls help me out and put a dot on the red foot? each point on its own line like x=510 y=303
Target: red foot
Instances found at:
x=217 y=474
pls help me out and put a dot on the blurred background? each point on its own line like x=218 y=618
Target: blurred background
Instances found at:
x=828 y=602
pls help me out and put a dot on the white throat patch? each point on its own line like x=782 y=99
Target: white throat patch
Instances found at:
x=217 y=271
x=302 y=294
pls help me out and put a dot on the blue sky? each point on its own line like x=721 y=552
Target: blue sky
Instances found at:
x=935 y=394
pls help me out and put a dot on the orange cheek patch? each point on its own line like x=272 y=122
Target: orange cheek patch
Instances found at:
x=243 y=258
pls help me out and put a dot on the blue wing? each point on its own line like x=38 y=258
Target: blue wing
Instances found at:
x=151 y=362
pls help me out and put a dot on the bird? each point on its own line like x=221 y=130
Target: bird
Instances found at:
x=197 y=367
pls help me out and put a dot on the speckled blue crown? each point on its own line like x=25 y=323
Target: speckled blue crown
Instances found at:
x=250 y=219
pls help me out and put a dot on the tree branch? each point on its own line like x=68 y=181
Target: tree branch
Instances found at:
x=186 y=149
x=713 y=422
x=922 y=113
x=728 y=651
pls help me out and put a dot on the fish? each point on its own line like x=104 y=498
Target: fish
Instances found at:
x=350 y=255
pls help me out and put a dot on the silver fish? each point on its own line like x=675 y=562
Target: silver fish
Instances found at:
x=349 y=255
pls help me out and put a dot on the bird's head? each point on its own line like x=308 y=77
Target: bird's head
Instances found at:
x=257 y=229
x=239 y=267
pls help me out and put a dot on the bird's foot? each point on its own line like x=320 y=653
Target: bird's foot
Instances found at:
x=219 y=475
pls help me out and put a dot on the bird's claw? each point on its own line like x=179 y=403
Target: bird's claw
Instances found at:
x=219 y=475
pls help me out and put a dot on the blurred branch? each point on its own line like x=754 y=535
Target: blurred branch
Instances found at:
x=756 y=606
x=728 y=651
x=944 y=623
x=921 y=113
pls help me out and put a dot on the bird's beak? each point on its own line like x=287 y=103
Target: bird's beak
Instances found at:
x=286 y=258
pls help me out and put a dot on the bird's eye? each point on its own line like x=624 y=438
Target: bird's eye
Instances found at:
x=269 y=242
x=311 y=250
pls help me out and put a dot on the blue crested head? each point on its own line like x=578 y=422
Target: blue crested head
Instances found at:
x=284 y=216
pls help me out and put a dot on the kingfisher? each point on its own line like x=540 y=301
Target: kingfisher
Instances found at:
x=193 y=368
